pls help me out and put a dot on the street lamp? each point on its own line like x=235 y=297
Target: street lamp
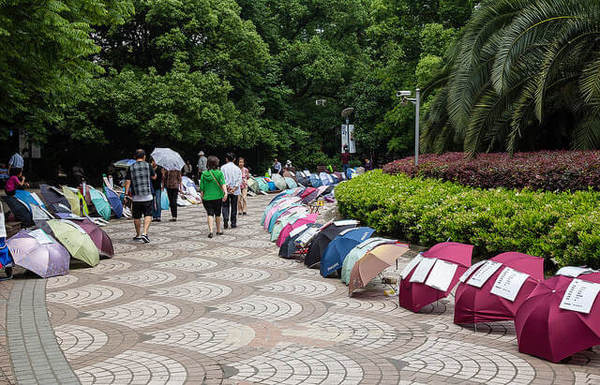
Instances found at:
x=417 y=102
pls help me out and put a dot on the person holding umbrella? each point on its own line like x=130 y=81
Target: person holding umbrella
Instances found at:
x=172 y=163
x=233 y=179
x=139 y=177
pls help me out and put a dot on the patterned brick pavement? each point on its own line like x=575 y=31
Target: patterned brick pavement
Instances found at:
x=186 y=309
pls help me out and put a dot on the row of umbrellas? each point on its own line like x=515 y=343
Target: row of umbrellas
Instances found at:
x=554 y=318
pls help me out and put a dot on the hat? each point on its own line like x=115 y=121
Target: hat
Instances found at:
x=201 y=153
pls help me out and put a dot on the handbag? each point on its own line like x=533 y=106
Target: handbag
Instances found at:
x=164 y=200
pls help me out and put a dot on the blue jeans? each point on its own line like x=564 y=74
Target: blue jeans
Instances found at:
x=345 y=167
x=156 y=209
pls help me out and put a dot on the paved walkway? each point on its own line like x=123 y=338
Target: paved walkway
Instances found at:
x=187 y=309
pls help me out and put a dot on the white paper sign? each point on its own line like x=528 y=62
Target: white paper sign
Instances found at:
x=580 y=296
x=441 y=275
x=346 y=222
x=470 y=271
x=480 y=277
x=574 y=271
x=37 y=199
x=410 y=266
x=41 y=236
x=307 y=236
x=509 y=283
x=422 y=270
x=2 y=226
x=298 y=230
x=82 y=231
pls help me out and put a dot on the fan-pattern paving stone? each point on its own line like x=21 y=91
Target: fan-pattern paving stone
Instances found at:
x=266 y=308
x=76 y=341
x=195 y=291
x=191 y=264
x=225 y=252
x=60 y=281
x=137 y=314
x=85 y=295
x=301 y=287
x=143 y=278
x=239 y=274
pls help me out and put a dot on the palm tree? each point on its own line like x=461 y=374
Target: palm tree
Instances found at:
x=516 y=62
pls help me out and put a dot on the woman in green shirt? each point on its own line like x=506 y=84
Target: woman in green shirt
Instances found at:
x=213 y=191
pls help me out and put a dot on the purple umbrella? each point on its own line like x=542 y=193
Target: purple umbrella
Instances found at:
x=99 y=237
x=38 y=252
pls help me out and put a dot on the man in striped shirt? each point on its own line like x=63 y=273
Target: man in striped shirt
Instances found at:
x=16 y=161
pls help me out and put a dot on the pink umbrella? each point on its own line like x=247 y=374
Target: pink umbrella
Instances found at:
x=311 y=218
x=284 y=202
x=38 y=252
x=416 y=295
x=473 y=304
x=547 y=331
x=98 y=236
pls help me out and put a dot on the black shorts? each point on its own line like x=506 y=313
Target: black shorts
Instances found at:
x=140 y=209
x=213 y=207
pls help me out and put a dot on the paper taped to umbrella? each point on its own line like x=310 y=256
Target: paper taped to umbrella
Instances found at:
x=411 y=265
x=470 y=271
x=509 y=283
x=574 y=271
x=441 y=275
x=580 y=296
x=480 y=277
x=41 y=236
x=423 y=268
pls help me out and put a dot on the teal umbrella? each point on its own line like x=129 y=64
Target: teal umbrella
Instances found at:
x=101 y=203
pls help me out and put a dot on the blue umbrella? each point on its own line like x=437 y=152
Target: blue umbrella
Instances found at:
x=114 y=201
x=336 y=251
x=124 y=163
x=100 y=203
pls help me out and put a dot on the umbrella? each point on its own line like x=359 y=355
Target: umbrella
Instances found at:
x=124 y=163
x=421 y=292
x=481 y=304
x=322 y=239
x=98 y=236
x=288 y=228
x=76 y=201
x=75 y=239
x=33 y=203
x=373 y=263
x=253 y=185
x=290 y=216
x=100 y=203
x=272 y=203
x=114 y=201
x=291 y=183
x=280 y=205
x=288 y=247
x=20 y=211
x=5 y=259
x=336 y=251
x=279 y=182
x=167 y=159
x=55 y=199
x=38 y=252
x=546 y=329
x=284 y=212
x=357 y=253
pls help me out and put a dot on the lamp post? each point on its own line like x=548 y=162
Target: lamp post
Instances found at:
x=417 y=102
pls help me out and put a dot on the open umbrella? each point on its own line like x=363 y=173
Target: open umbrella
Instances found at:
x=167 y=159
x=98 y=236
x=33 y=203
x=76 y=201
x=358 y=252
x=291 y=183
x=114 y=201
x=100 y=202
x=502 y=293
x=55 y=199
x=429 y=280
x=285 y=218
x=284 y=212
x=253 y=185
x=124 y=163
x=288 y=247
x=288 y=228
x=545 y=325
x=321 y=241
x=280 y=205
x=333 y=258
x=6 y=261
x=39 y=253
x=373 y=263
x=75 y=240
x=20 y=211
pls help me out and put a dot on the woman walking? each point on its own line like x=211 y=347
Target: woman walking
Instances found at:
x=172 y=181
x=213 y=191
x=244 y=186
x=157 y=187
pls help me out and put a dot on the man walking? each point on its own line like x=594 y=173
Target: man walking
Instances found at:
x=201 y=164
x=139 y=177
x=233 y=180
x=16 y=161
x=346 y=159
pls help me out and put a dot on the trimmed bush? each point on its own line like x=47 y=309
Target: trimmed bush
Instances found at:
x=564 y=227
x=545 y=170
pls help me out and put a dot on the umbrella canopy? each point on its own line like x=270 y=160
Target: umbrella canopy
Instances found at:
x=114 y=201
x=75 y=240
x=167 y=159
x=481 y=304
x=422 y=291
x=98 y=236
x=357 y=253
x=291 y=226
x=39 y=253
x=285 y=218
x=284 y=212
x=100 y=203
x=373 y=263
x=322 y=239
x=546 y=330
x=76 y=201
x=280 y=205
x=253 y=185
x=333 y=258
x=279 y=181
x=262 y=184
x=289 y=247
x=273 y=202
x=291 y=183
x=55 y=199
x=315 y=181
x=124 y=163
x=20 y=211
x=33 y=203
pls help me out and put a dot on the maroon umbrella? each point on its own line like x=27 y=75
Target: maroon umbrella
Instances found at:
x=546 y=330
x=99 y=237
x=502 y=293
x=422 y=292
x=39 y=253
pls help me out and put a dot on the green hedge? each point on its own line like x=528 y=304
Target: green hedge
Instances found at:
x=560 y=226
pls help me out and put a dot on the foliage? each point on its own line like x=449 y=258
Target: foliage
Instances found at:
x=561 y=227
x=545 y=170
x=524 y=75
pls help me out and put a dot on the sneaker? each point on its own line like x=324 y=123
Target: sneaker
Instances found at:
x=210 y=235
x=137 y=238
x=221 y=233
x=145 y=238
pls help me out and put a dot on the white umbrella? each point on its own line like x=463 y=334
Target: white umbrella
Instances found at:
x=167 y=159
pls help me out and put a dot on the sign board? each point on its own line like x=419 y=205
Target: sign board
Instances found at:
x=348 y=138
x=441 y=275
x=509 y=283
x=580 y=296
x=410 y=266
x=422 y=270
x=470 y=271
x=480 y=277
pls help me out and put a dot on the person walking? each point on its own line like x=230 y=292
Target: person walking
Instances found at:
x=139 y=178
x=157 y=187
x=172 y=181
x=16 y=161
x=276 y=166
x=213 y=191
x=187 y=169
x=345 y=159
x=202 y=164
x=242 y=204
x=233 y=179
